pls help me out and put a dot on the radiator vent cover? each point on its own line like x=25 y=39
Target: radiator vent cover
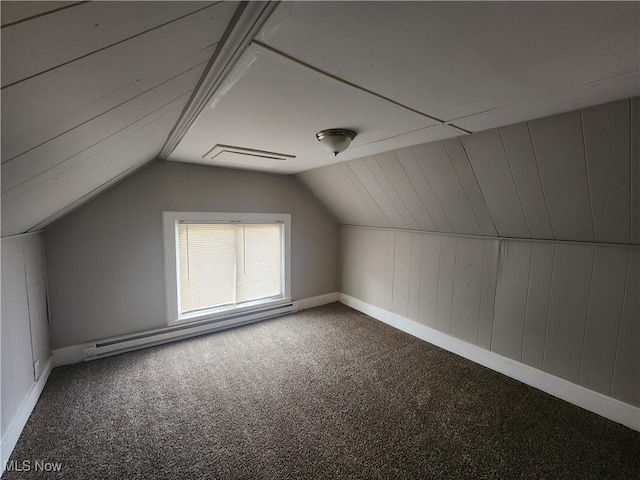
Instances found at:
x=229 y=153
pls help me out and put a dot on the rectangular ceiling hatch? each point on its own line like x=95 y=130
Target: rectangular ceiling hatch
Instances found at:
x=230 y=153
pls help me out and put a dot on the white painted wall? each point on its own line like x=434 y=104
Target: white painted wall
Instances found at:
x=571 y=310
x=105 y=260
x=24 y=333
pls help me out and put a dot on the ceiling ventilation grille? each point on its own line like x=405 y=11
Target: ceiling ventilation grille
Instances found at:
x=230 y=153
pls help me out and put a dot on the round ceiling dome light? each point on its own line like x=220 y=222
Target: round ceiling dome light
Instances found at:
x=336 y=140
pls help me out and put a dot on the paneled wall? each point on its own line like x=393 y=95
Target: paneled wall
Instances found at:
x=106 y=259
x=574 y=176
x=24 y=325
x=569 y=309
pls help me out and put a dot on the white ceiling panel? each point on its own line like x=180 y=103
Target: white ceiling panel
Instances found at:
x=391 y=193
x=369 y=182
x=29 y=164
x=270 y=103
x=51 y=40
x=401 y=184
x=607 y=142
x=469 y=183
x=337 y=191
x=31 y=126
x=615 y=88
x=517 y=145
x=381 y=219
x=145 y=126
x=437 y=167
x=559 y=148
x=103 y=86
x=524 y=178
x=462 y=58
x=45 y=203
x=487 y=156
x=20 y=11
x=42 y=107
x=423 y=189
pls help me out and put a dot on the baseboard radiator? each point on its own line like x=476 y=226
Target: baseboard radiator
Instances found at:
x=137 y=341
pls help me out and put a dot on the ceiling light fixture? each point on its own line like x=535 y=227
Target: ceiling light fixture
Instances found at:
x=336 y=140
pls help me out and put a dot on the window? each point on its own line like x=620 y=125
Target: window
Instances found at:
x=222 y=263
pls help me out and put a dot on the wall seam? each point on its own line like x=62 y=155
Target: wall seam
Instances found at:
x=526 y=304
x=397 y=194
x=624 y=299
x=546 y=326
x=515 y=184
x=466 y=194
x=586 y=319
x=414 y=191
x=484 y=256
x=426 y=179
x=586 y=167
x=544 y=195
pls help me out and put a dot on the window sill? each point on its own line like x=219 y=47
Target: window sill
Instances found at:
x=222 y=313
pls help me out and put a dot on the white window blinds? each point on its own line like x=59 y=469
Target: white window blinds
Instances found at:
x=227 y=264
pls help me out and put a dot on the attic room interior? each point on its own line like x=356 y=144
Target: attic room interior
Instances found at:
x=315 y=239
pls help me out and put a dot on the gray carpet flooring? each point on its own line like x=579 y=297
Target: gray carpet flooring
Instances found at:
x=325 y=393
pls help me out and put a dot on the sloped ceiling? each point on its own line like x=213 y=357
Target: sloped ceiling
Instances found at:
x=90 y=91
x=405 y=73
x=573 y=176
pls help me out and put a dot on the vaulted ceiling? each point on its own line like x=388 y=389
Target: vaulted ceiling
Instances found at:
x=92 y=91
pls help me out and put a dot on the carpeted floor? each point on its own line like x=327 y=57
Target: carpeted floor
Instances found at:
x=326 y=393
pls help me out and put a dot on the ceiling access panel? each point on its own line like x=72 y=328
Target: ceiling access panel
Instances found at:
x=272 y=103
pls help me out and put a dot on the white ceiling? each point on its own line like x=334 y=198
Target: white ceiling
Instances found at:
x=92 y=90
x=572 y=176
x=473 y=65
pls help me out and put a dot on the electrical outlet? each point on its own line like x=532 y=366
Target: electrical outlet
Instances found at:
x=36 y=369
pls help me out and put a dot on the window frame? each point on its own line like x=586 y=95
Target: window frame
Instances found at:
x=170 y=222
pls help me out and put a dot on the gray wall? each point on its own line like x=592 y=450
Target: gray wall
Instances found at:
x=574 y=176
x=24 y=325
x=569 y=309
x=105 y=260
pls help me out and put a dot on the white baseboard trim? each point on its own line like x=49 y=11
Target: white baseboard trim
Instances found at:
x=12 y=434
x=67 y=355
x=595 y=402
x=305 y=303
